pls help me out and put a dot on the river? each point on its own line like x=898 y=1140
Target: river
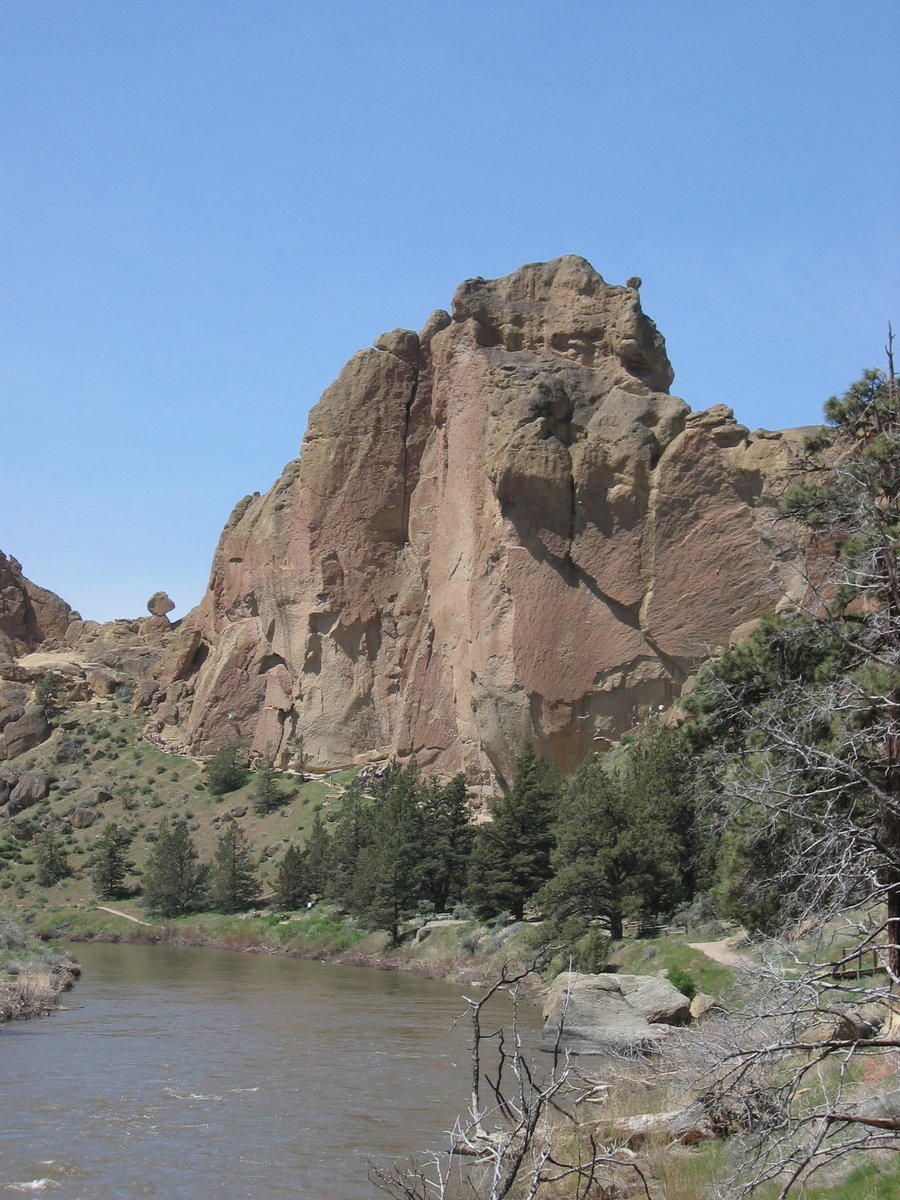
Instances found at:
x=191 y=1074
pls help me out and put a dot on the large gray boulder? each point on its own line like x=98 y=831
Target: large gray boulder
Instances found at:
x=28 y=731
x=600 y=1014
x=33 y=787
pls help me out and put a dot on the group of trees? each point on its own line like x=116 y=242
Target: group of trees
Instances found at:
x=403 y=846
x=612 y=842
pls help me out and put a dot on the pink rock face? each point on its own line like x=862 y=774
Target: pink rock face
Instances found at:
x=501 y=528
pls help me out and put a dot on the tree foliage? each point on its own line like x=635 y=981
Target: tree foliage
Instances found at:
x=292 y=890
x=800 y=725
x=109 y=865
x=232 y=881
x=510 y=858
x=224 y=771
x=50 y=857
x=174 y=881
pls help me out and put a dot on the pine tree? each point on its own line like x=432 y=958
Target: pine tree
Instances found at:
x=511 y=857
x=447 y=836
x=594 y=860
x=393 y=865
x=292 y=889
x=50 y=857
x=174 y=881
x=232 y=882
x=317 y=852
x=348 y=844
x=224 y=773
x=108 y=865
x=266 y=795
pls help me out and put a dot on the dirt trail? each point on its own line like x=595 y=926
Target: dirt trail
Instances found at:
x=117 y=912
x=723 y=952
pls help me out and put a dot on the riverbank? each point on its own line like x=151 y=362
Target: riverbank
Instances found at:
x=455 y=951
x=32 y=974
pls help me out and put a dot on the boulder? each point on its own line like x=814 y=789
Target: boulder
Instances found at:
x=33 y=787
x=591 y=1014
x=701 y=1005
x=66 y=752
x=103 y=681
x=179 y=655
x=97 y=796
x=656 y=998
x=83 y=817
x=28 y=731
x=159 y=604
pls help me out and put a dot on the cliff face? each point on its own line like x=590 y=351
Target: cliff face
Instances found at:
x=29 y=615
x=502 y=527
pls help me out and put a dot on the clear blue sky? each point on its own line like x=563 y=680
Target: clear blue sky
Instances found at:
x=206 y=206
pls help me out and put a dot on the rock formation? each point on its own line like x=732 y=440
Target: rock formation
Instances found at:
x=29 y=615
x=502 y=527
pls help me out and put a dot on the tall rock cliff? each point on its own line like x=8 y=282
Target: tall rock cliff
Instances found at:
x=501 y=527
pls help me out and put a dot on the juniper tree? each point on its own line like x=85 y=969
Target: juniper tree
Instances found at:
x=266 y=795
x=50 y=857
x=108 y=864
x=292 y=888
x=174 y=881
x=224 y=771
x=232 y=881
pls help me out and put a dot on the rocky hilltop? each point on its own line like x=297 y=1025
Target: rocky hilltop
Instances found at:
x=500 y=527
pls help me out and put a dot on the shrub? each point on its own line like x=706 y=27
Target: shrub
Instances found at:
x=223 y=771
x=684 y=981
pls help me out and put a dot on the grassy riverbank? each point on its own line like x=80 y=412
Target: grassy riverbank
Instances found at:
x=451 y=950
x=32 y=974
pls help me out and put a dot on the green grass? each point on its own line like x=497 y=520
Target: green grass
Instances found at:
x=146 y=784
x=647 y=956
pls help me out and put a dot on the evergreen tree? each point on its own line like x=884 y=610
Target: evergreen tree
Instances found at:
x=447 y=835
x=510 y=858
x=671 y=859
x=266 y=796
x=47 y=694
x=232 y=882
x=292 y=889
x=595 y=859
x=351 y=837
x=50 y=857
x=389 y=874
x=174 y=881
x=109 y=865
x=317 y=852
x=224 y=771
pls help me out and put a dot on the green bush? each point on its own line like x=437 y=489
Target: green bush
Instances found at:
x=684 y=981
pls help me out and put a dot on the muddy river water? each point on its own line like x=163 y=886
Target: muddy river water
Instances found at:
x=190 y=1074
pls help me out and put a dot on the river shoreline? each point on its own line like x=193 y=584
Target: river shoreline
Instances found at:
x=467 y=954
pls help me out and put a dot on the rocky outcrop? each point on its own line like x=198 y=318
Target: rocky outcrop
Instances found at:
x=598 y=1014
x=29 y=615
x=500 y=528
x=23 y=734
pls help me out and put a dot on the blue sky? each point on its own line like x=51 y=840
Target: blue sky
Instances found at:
x=207 y=207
